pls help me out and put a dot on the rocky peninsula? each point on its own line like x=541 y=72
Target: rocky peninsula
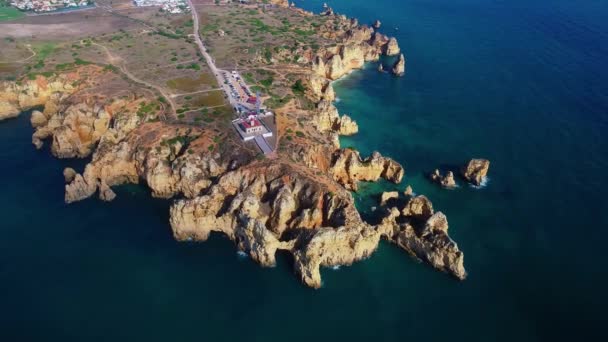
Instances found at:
x=298 y=200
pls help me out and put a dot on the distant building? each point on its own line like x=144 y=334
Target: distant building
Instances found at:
x=48 y=5
x=169 y=6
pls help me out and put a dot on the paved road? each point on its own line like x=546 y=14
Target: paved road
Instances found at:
x=199 y=42
x=262 y=143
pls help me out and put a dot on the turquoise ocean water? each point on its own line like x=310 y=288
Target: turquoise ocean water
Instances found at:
x=523 y=83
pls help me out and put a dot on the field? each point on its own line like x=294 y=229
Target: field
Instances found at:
x=147 y=47
x=9 y=13
x=271 y=48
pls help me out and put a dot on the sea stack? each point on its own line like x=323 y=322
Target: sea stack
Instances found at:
x=392 y=48
x=476 y=170
x=399 y=67
x=446 y=181
x=377 y=24
x=381 y=67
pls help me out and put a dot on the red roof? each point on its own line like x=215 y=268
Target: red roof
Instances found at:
x=251 y=123
x=252 y=100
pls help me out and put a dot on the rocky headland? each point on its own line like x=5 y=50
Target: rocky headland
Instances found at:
x=298 y=201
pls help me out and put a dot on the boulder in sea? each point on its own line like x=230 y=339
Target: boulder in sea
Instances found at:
x=399 y=67
x=408 y=191
x=446 y=181
x=380 y=67
x=388 y=196
x=377 y=24
x=476 y=171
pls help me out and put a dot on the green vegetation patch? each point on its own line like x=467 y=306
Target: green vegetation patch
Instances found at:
x=9 y=13
x=190 y=84
x=210 y=99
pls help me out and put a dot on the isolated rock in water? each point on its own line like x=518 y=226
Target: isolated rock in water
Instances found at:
x=446 y=181
x=408 y=191
x=380 y=67
x=37 y=142
x=399 y=67
x=377 y=24
x=476 y=170
x=69 y=174
x=387 y=196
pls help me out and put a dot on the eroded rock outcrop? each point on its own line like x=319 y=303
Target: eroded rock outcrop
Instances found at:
x=476 y=171
x=16 y=97
x=424 y=234
x=359 y=45
x=298 y=201
x=392 y=47
x=447 y=181
x=172 y=159
x=281 y=209
x=399 y=67
x=278 y=209
x=348 y=168
x=327 y=119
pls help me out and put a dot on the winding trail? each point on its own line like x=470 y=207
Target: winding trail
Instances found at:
x=117 y=62
x=201 y=46
x=260 y=140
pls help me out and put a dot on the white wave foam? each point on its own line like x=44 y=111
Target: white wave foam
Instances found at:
x=484 y=183
x=242 y=254
x=335 y=267
x=338 y=100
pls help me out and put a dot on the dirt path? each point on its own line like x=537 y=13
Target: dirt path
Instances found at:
x=118 y=62
x=196 y=92
x=23 y=60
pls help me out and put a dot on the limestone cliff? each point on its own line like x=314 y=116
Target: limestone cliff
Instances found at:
x=16 y=97
x=283 y=209
x=348 y=168
x=171 y=159
x=327 y=119
x=424 y=234
x=359 y=44
x=297 y=200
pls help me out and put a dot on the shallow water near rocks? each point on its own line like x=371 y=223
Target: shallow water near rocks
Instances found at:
x=522 y=84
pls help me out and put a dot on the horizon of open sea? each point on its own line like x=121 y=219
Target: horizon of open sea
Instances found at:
x=522 y=83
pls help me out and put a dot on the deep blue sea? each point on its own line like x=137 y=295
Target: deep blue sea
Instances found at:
x=522 y=83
